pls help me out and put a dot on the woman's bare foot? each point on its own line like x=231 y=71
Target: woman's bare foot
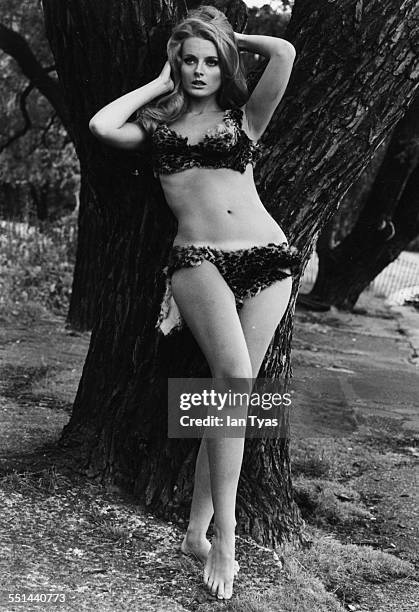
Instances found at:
x=219 y=568
x=199 y=547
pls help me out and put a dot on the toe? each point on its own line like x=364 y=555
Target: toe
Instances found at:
x=228 y=590
x=214 y=587
x=220 y=592
x=208 y=582
x=206 y=574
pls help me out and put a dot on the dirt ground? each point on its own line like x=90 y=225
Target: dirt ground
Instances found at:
x=356 y=385
x=355 y=410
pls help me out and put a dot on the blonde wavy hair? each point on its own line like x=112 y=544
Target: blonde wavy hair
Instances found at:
x=211 y=24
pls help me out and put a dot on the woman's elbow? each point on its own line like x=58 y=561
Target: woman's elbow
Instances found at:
x=93 y=127
x=286 y=49
x=96 y=128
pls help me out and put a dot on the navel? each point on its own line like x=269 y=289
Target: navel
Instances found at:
x=229 y=211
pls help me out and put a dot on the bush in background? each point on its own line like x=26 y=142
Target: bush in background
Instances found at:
x=36 y=264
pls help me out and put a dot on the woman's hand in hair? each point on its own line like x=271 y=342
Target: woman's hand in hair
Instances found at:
x=165 y=77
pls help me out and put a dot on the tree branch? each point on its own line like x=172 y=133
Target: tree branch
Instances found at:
x=27 y=120
x=16 y=46
x=46 y=129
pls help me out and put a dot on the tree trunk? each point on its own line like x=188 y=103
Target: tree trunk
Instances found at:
x=321 y=138
x=387 y=224
x=88 y=269
x=354 y=201
x=39 y=198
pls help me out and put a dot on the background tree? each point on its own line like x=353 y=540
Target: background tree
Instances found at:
x=355 y=74
x=267 y=20
x=387 y=222
x=39 y=172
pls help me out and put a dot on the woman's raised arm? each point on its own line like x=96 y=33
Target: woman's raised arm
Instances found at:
x=110 y=123
x=273 y=82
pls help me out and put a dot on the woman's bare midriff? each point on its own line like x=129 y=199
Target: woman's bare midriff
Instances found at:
x=219 y=208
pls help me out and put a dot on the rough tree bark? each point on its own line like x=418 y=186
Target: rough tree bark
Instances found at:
x=354 y=200
x=355 y=73
x=388 y=222
x=345 y=218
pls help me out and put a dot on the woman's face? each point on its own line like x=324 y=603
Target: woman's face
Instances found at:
x=200 y=62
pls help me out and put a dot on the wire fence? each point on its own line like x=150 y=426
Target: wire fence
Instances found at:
x=397 y=282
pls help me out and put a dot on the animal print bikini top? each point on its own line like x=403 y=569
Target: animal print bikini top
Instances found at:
x=224 y=146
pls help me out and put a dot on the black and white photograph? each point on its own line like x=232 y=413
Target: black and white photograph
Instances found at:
x=209 y=306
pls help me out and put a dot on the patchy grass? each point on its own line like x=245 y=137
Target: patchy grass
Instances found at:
x=325 y=502
x=45 y=483
x=345 y=568
x=310 y=462
x=339 y=459
x=36 y=267
x=57 y=383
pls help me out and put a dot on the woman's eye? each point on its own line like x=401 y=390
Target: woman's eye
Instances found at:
x=210 y=62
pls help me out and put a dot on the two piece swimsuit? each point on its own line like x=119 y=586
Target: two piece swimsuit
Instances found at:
x=247 y=271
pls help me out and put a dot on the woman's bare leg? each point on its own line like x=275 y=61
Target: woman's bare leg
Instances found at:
x=257 y=340
x=225 y=459
x=202 y=508
x=259 y=318
x=208 y=306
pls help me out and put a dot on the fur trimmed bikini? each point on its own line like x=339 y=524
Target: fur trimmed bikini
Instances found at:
x=247 y=270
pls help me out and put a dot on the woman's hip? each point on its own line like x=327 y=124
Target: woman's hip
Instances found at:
x=254 y=259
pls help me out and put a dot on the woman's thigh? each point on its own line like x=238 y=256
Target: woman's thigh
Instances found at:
x=207 y=304
x=260 y=315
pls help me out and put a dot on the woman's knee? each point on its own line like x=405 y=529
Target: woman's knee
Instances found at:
x=237 y=373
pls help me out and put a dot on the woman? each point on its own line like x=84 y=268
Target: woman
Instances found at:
x=229 y=270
